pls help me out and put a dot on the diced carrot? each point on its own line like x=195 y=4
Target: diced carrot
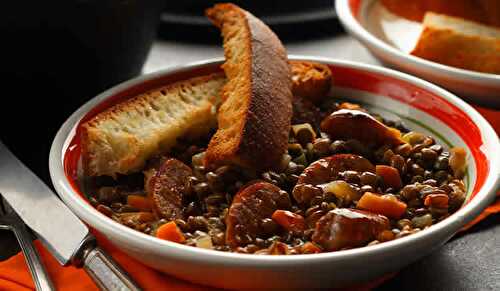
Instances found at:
x=310 y=248
x=289 y=220
x=437 y=200
x=278 y=248
x=390 y=176
x=387 y=205
x=170 y=231
x=385 y=235
x=139 y=202
x=350 y=106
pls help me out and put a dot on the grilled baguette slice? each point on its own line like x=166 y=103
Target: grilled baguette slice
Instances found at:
x=484 y=11
x=459 y=43
x=311 y=80
x=254 y=118
x=121 y=139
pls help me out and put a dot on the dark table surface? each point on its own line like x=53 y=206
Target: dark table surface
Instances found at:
x=470 y=261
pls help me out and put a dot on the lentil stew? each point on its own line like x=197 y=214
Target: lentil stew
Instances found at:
x=349 y=178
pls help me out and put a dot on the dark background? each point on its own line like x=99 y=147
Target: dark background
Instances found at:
x=57 y=55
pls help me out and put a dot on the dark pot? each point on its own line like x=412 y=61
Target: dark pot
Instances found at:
x=58 y=54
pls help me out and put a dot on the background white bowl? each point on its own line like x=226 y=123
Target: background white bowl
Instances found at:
x=366 y=19
x=388 y=92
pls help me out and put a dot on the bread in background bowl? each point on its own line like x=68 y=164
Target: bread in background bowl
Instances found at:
x=459 y=43
x=484 y=11
x=390 y=38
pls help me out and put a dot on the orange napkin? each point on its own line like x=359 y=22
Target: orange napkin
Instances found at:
x=14 y=273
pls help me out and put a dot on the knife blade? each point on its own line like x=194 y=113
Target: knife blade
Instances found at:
x=60 y=230
x=64 y=235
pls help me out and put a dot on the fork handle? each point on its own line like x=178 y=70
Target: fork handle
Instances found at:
x=38 y=272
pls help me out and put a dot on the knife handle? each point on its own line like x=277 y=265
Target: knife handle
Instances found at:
x=105 y=272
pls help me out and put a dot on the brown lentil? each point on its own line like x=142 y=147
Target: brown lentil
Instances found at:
x=398 y=162
x=429 y=155
x=404 y=150
x=441 y=163
x=339 y=146
x=351 y=177
x=438 y=149
x=322 y=146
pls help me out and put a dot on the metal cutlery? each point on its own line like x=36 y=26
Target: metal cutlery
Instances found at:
x=64 y=235
x=9 y=220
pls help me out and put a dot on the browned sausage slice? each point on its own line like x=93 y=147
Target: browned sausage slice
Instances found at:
x=326 y=170
x=250 y=212
x=348 y=228
x=167 y=188
x=359 y=125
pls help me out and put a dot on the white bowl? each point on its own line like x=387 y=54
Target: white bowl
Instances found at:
x=419 y=103
x=390 y=38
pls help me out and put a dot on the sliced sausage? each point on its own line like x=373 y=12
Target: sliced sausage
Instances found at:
x=167 y=187
x=250 y=213
x=355 y=124
x=326 y=170
x=343 y=228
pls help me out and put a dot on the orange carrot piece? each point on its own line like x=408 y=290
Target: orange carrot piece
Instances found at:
x=386 y=205
x=437 y=200
x=289 y=220
x=170 y=231
x=310 y=248
x=350 y=106
x=390 y=176
x=139 y=202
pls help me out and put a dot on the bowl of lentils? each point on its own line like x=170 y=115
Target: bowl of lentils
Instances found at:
x=379 y=171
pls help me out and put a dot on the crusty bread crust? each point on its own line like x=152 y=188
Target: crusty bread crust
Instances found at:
x=311 y=80
x=122 y=150
x=121 y=139
x=459 y=43
x=484 y=11
x=254 y=118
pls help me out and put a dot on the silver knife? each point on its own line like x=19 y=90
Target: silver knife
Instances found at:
x=64 y=235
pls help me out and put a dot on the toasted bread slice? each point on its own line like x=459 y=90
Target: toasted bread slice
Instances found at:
x=121 y=139
x=459 y=43
x=311 y=80
x=484 y=11
x=254 y=118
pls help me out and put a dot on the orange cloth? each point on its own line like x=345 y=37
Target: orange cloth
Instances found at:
x=492 y=209
x=14 y=275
